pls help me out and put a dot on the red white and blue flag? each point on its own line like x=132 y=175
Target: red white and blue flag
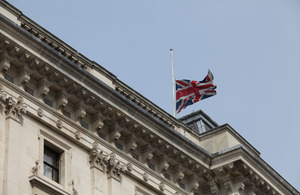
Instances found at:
x=189 y=92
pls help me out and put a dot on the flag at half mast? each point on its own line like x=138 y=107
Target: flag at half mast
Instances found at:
x=189 y=92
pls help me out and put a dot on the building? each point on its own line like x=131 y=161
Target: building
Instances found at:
x=69 y=127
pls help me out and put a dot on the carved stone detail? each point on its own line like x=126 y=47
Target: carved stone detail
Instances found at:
x=35 y=169
x=97 y=157
x=2 y=94
x=129 y=167
x=12 y=108
x=146 y=176
x=40 y=112
x=162 y=186
x=59 y=123
x=74 y=191
x=77 y=135
x=114 y=168
x=4 y=63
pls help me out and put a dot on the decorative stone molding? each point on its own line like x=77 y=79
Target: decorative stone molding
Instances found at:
x=115 y=136
x=163 y=165
x=77 y=135
x=74 y=191
x=99 y=124
x=35 y=169
x=80 y=111
x=195 y=186
x=114 y=167
x=5 y=63
x=147 y=155
x=129 y=167
x=12 y=108
x=40 y=112
x=62 y=100
x=43 y=87
x=179 y=174
x=146 y=176
x=2 y=94
x=162 y=186
x=97 y=157
x=59 y=123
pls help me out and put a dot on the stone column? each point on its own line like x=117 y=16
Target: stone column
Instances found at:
x=13 y=111
x=114 y=170
x=98 y=166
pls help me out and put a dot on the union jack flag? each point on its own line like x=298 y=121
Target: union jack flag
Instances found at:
x=189 y=92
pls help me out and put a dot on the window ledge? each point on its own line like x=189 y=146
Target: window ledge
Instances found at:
x=46 y=186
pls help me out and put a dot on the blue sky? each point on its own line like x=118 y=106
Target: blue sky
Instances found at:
x=252 y=48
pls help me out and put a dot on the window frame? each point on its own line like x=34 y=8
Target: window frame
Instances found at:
x=56 y=168
x=53 y=141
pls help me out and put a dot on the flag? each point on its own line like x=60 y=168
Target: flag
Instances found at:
x=189 y=92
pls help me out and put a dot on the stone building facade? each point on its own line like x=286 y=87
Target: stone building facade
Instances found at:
x=70 y=127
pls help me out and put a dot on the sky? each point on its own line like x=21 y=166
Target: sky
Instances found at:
x=251 y=46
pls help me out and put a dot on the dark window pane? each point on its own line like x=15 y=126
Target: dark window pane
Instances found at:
x=84 y=124
x=51 y=164
x=119 y=146
x=135 y=156
x=66 y=113
x=48 y=102
x=9 y=78
x=181 y=185
x=29 y=90
x=151 y=166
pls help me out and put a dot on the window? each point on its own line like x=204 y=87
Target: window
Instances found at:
x=29 y=90
x=9 y=78
x=135 y=156
x=48 y=102
x=119 y=146
x=151 y=166
x=181 y=185
x=167 y=176
x=84 y=124
x=102 y=135
x=66 y=113
x=51 y=164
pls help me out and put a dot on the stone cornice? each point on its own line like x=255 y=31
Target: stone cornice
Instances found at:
x=80 y=60
x=251 y=163
x=93 y=84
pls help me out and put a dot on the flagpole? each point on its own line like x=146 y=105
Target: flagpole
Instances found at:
x=173 y=83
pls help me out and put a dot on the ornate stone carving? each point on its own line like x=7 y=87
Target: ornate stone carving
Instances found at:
x=13 y=108
x=196 y=186
x=99 y=125
x=25 y=79
x=97 y=157
x=165 y=167
x=133 y=146
x=35 y=169
x=4 y=63
x=74 y=191
x=162 y=186
x=114 y=168
x=2 y=94
x=59 y=123
x=146 y=176
x=40 y=112
x=77 y=135
x=129 y=167
x=115 y=136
